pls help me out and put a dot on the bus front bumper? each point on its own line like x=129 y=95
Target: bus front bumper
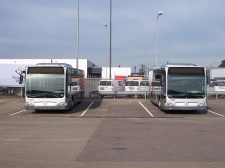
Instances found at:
x=185 y=107
x=62 y=106
x=46 y=108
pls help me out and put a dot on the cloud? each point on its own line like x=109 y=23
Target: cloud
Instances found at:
x=189 y=31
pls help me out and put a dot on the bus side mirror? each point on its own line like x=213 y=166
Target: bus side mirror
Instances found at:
x=158 y=77
x=21 y=79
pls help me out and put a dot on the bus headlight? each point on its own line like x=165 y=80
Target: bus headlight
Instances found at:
x=202 y=104
x=169 y=104
x=62 y=104
x=28 y=104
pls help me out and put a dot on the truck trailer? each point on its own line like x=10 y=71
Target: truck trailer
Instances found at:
x=12 y=79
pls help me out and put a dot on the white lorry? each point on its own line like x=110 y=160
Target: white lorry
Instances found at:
x=12 y=79
x=110 y=87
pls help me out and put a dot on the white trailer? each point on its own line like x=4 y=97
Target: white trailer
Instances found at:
x=12 y=78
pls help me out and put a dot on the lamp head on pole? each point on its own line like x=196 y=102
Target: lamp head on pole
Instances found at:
x=160 y=13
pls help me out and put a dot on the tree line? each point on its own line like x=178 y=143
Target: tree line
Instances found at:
x=222 y=64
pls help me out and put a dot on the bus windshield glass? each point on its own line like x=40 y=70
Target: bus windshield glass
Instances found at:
x=186 y=83
x=48 y=85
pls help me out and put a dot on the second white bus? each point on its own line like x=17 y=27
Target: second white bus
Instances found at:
x=182 y=87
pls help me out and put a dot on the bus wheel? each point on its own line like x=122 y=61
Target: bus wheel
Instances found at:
x=72 y=104
x=81 y=98
x=160 y=105
x=19 y=93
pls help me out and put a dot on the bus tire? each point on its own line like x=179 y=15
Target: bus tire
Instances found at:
x=81 y=98
x=19 y=93
x=72 y=105
x=160 y=105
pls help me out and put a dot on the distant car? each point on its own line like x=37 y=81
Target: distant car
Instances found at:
x=218 y=85
x=155 y=86
x=110 y=87
x=132 y=85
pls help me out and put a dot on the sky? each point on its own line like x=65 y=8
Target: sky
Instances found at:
x=189 y=31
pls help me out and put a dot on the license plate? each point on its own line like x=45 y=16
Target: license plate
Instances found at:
x=131 y=88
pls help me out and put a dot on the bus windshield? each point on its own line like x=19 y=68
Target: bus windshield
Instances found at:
x=186 y=86
x=45 y=85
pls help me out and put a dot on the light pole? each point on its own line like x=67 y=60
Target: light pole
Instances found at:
x=211 y=68
x=106 y=50
x=156 y=59
x=110 y=41
x=77 y=47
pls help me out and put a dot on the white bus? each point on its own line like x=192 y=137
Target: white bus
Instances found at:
x=53 y=86
x=182 y=87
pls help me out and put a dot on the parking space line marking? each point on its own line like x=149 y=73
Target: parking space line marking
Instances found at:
x=17 y=112
x=86 y=109
x=215 y=113
x=146 y=109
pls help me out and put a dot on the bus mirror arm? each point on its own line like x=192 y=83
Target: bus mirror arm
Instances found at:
x=158 y=78
x=162 y=79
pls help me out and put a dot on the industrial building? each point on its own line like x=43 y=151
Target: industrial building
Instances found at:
x=217 y=73
x=10 y=70
x=90 y=68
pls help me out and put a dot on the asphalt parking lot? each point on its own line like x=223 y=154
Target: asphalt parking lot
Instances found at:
x=111 y=133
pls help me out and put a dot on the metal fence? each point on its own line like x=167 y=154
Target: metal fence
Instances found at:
x=215 y=94
x=91 y=85
x=91 y=91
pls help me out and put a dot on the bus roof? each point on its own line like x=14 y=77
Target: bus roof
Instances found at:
x=55 y=64
x=177 y=65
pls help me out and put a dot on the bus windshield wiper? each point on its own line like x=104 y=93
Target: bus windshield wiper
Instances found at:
x=43 y=95
x=49 y=95
x=188 y=95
